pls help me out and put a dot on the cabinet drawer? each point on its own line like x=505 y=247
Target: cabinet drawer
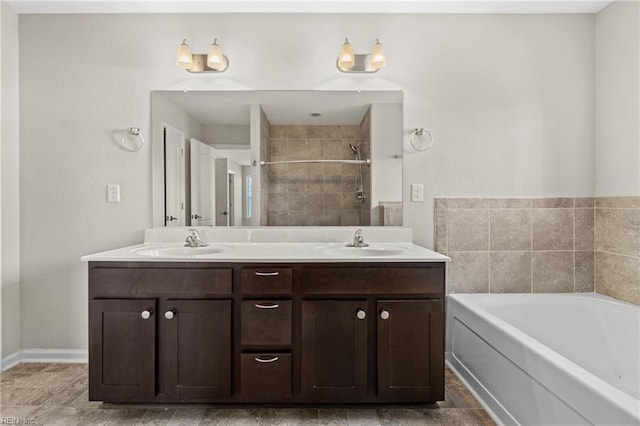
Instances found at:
x=266 y=376
x=368 y=280
x=135 y=282
x=266 y=322
x=267 y=280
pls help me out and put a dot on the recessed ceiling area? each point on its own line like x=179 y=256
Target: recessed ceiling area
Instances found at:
x=281 y=106
x=307 y=6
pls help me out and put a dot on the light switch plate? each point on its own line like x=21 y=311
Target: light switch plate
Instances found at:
x=417 y=193
x=113 y=193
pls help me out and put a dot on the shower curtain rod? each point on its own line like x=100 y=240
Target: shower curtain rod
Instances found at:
x=265 y=163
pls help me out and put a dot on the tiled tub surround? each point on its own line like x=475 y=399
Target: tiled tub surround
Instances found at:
x=617 y=248
x=541 y=245
x=316 y=194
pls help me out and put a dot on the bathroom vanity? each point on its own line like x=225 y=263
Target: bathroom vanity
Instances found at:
x=302 y=323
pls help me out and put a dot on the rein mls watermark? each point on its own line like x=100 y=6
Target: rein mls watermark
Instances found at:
x=16 y=421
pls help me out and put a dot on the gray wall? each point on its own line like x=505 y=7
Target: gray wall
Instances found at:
x=508 y=98
x=10 y=225
x=617 y=124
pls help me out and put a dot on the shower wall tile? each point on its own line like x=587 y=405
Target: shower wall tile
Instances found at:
x=510 y=229
x=552 y=203
x=618 y=230
x=576 y=244
x=617 y=248
x=618 y=276
x=552 y=272
x=618 y=202
x=314 y=194
x=468 y=272
x=530 y=244
x=584 y=270
x=510 y=272
x=552 y=228
x=584 y=229
x=468 y=229
x=510 y=203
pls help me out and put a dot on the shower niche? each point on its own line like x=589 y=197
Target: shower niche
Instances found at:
x=277 y=158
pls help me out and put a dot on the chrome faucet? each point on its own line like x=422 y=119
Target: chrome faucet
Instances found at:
x=193 y=239
x=358 y=240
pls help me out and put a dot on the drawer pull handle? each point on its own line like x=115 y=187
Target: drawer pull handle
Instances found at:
x=267 y=274
x=259 y=306
x=274 y=359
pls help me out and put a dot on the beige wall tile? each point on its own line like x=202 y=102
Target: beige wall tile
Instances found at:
x=296 y=131
x=584 y=230
x=510 y=272
x=552 y=229
x=350 y=218
x=510 y=203
x=278 y=131
x=584 y=202
x=510 y=229
x=350 y=132
x=618 y=276
x=468 y=229
x=440 y=203
x=441 y=230
x=552 y=203
x=584 y=264
x=468 y=272
x=468 y=203
x=618 y=231
x=552 y=271
x=618 y=202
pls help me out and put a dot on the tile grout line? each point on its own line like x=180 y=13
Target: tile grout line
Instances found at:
x=489 y=251
x=574 y=245
x=531 y=249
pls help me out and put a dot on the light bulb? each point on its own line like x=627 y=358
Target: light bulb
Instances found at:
x=215 y=58
x=378 y=57
x=346 y=58
x=184 y=58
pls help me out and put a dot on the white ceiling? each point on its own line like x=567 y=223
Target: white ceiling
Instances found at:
x=280 y=106
x=307 y=6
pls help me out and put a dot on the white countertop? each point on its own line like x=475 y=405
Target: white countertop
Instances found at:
x=273 y=245
x=270 y=253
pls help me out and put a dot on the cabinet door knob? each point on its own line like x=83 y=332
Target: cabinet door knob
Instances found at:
x=146 y=314
x=384 y=314
x=170 y=314
x=361 y=314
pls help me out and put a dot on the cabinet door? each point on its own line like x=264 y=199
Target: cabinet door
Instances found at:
x=334 y=350
x=410 y=350
x=197 y=344
x=122 y=349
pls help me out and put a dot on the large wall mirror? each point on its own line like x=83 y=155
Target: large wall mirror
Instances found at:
x=277 y=158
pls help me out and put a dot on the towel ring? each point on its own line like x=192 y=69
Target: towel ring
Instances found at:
x=133 y=131
x=421 y=139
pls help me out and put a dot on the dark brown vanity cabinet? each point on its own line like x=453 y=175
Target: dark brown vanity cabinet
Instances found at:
x=158 y=334
x=266 y=333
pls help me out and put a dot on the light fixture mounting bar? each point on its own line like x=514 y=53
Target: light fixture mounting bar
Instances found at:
x=200 y=64
x=362 y=64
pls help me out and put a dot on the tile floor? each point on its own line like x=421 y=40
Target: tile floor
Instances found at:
x=56 y=394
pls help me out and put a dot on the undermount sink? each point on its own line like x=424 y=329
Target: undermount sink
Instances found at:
x=177 y=251
x=363 y=251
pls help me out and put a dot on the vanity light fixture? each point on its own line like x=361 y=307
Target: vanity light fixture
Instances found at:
x=214 y=61
x=361 y=63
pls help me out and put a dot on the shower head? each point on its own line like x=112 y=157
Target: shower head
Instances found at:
x=354 y=148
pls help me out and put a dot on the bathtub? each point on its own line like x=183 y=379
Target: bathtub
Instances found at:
x=545 y=359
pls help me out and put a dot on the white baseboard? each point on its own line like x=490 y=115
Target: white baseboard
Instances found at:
x=46 y=356
x=11 y=361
